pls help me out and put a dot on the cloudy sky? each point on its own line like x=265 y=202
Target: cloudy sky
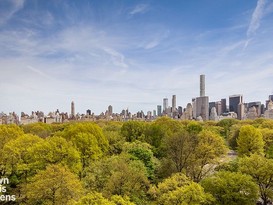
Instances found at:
x=132 y=54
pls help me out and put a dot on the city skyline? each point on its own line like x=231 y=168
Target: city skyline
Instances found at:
x=171 y=109
x=132 y=54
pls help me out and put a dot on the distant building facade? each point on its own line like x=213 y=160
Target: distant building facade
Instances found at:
x=234 y=101
x=202 y=102
x=165 y=104
x=223 y=105
x=159 y=110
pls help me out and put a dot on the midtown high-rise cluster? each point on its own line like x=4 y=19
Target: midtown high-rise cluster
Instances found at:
x=199 y=109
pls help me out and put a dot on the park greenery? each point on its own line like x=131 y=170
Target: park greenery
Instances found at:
x=163 y=162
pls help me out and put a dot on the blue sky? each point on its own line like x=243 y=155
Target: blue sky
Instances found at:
x=132 y=54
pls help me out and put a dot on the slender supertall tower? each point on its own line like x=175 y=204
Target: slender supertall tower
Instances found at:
x=165 y=104
x=202 y=102
x=72 y=109
x=173 y=103
x=202 y=85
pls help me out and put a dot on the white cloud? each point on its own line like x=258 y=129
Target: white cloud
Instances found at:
x=140 y=8
x=157 y=39
x=13 y=7
x=152 y=44
x=116 y=57
x=257 y=16
x=39 y=72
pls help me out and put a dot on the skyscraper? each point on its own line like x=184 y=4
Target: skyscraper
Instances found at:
x=218 y=106
x=159 y=110
x=234 y=101
x=88 y=112
x=72 y=109
x=202 y=102
x=174 y=110
x=174 y=103
x=211 y=105
x=202 y=107
x=154 y=113
x=270 y=98
x=165 y=104
x=110 y=110
x=193 y=101
x=180 y=110
x=223 y=105
x=202 y=85
x=240 y=111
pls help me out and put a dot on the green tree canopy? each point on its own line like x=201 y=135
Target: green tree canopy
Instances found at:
x=261 y=170
x=195 y=154
x=233 y=136
x=89 y=140
x=119 y=175
x=226 y=124
x=268 y=123
x=180 y=148
x=179 y=190
x=169 y=126
x=111 y=131
x=128 y=178
x=209 y=148
x=9 y=132
x=154 y=135
x=250 y=141
x=54 y=186
x=133 y=130
x=119 y=200
x=94 y=198
x=55 y=150
x=41 y=129
x=194 y=127
x=116 y=141
x=230 y=188
x=142 y=151
x=268 y=139
x=17 y=156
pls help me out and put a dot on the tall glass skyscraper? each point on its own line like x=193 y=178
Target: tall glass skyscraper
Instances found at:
x=234 y=101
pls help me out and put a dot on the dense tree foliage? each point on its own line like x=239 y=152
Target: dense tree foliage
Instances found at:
x=133 y=130
x=268 y=140
x=209 y=149
x=230 y=188
x=9 y=132
x=195 y=152
x=119 y=175
x=41 y=129
x=56 y=150
x=226 y=125
x=261 y=170
x=17 y=155
x=179 y=190
x=88 y=139
x=250 y=141
x=55 y=185
x=165 y=161
x=233 y=136
x=142 y=151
